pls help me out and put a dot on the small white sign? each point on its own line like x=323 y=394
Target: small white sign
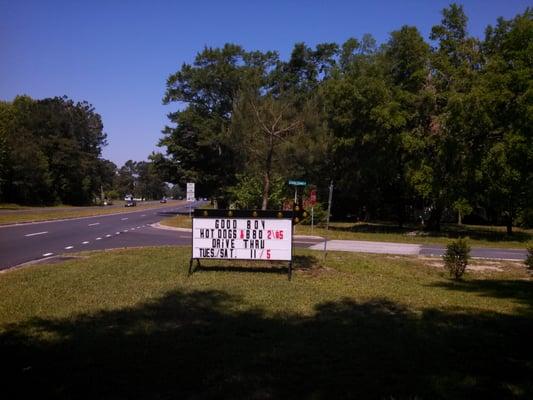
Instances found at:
x=242 y=238
x=190 y=191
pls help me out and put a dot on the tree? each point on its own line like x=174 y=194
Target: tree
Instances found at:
x=197 y=143
x=439 y=147
x=126 y=179
x=150 y=185
x=507 y=164
x=261 y=125
x=365 y=120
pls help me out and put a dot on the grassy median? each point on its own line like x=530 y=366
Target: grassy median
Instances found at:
x=12 y=214
x=132 y=324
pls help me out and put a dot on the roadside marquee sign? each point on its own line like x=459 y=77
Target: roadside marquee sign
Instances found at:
x=252 y=235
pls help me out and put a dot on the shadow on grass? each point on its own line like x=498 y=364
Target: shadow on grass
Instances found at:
x=449 y=231
x=520 y=291
x=203 y=344
x=301 y=262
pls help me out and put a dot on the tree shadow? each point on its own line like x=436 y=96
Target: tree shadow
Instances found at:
x=449 y=231
x=207 y=344
x=301 y=262
x=518 y=290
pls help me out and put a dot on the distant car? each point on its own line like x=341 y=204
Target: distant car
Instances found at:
x=180 y=197
x=130 y=203
x=163 y=200
x=205 y=198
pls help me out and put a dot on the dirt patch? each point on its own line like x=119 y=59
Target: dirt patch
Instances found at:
x=477 y=265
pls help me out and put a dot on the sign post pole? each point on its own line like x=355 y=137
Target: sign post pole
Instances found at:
x=312 y=200
x=296 y=184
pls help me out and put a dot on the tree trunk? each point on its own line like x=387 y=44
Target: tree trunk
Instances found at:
x=509 y=224
x=266 y=177
x=459 y=218
x=434 y=219
x=401 y=212
x=266 y=190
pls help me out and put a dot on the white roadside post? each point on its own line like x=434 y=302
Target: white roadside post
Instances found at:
x=190 y=196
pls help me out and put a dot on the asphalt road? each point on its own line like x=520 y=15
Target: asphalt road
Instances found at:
x=33 y=241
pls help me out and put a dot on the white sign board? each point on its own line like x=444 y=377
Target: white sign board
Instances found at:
x=242 y=238
x=190 y=192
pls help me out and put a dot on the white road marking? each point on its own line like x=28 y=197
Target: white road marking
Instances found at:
x=138 y=227
x=98 y=238
x=107 y=235
x=125 y=230
x=84 y=242
x=123 y=219
x=47 y=254
x=96 y=223
x=69 y=247
x=144 y=215
x=36 y=233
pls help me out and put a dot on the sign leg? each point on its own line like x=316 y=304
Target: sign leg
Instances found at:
x=190 y=266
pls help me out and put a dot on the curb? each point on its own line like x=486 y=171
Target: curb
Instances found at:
x=158 y=225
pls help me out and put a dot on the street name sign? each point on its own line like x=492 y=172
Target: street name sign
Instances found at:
x=297 y=183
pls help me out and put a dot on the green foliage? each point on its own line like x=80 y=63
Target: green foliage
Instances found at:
x=248 y=192
x=402 y=129
x=50 y=151
x=463 y=208
x=112 y=195
x=141 y=179
x=456 y=257
x=320 y=215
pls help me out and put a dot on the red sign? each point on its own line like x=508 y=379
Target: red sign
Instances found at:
x=312 y=197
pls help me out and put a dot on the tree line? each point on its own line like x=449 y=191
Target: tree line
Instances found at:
x=50 y=153
x=408 y=129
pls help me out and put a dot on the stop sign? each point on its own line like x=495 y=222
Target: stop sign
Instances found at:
x=312 y=197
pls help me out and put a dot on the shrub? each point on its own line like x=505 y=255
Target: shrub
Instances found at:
x=529 y=257
x=456 y=257
x=320 y=215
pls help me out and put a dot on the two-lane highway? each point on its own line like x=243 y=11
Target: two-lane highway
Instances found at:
x=33 y=241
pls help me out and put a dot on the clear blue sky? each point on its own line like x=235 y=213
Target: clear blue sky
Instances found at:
x=118 y=54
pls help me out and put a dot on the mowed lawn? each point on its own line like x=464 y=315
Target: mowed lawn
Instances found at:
x=131 y=324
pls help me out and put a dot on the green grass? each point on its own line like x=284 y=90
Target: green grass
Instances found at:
x=10 y=214
x=477 y=236
x=132 y=324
